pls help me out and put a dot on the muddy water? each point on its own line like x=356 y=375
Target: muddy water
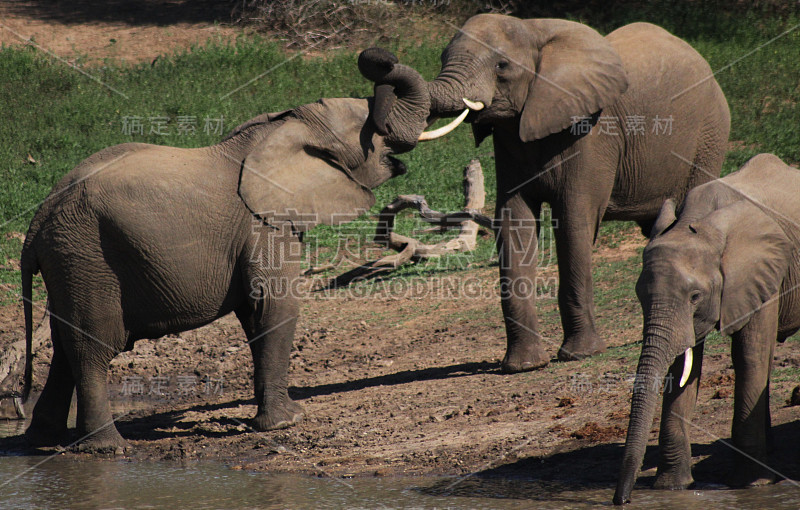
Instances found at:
x=63 y=482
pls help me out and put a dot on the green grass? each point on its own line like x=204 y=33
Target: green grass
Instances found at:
x=58 y=116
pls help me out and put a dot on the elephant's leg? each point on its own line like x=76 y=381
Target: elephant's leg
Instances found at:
x=575 y=233
x=674 y=448
x=270 y=332
x=517 y=249
x=49 y=422
x=268 y=315
x=752 y=351
x=90 y=359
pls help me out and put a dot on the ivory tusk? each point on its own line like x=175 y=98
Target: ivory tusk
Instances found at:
x=687 y=366
x=439 y=132
x=472 y=104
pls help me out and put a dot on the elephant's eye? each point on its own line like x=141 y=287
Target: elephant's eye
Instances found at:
x=695 y=296
x=501 y=65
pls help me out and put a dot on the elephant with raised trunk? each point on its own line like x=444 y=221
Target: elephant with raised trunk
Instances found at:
x=601 y=128
x=140 y=241
x=728 y=259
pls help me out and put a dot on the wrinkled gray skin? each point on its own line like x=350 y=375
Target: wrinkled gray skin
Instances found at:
x=141 y=241
x=731 y=261
x=637 y=70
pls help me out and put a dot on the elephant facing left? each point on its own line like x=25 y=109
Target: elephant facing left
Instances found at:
x=140 y=241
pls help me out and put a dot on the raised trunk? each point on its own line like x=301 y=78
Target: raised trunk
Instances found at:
x=653 y=364
x=401 y=105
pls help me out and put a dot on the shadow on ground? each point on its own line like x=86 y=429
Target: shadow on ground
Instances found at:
x=131 y=12
x=143 y=424
x=583 y=467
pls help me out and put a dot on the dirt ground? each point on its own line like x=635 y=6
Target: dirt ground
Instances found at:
x=120 y=31
x=404 y=380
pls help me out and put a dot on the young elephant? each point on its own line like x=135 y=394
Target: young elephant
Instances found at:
x=140 y=241
x=729 y=260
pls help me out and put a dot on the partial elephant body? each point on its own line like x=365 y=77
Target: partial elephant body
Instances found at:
x=728 y=260
x=601 y=128
x=144 y=242
x=686 y=123
x=140 y=241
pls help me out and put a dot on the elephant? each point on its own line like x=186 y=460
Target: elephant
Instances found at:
x=601 y=128
x=141 y=241
x=728 y=259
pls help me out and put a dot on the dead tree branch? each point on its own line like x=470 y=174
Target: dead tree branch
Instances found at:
x=408 y=249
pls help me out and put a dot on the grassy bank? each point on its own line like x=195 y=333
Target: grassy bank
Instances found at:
x=54 y=116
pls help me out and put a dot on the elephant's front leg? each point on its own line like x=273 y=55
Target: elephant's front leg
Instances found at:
x=517 y=249
x=269 y=317
x=575 y=233
x=752 y=350
x=674 y=448
x=271 y=346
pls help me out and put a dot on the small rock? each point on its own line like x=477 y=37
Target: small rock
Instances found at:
x=794 y=400
x=119 y=450
x=721 y=393
x=566 y=402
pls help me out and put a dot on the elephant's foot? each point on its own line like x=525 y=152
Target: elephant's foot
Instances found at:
x=750 y=474
x=576 y=347
x=279 y=417
x=677 y=479
x=103 y=440
x=519 y=359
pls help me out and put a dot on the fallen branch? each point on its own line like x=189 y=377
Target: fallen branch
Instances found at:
x=467 y=221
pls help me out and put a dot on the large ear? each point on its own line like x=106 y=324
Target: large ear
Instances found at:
x=577 y=74
x=754 y=262
x=666 y=218
x=288 y=179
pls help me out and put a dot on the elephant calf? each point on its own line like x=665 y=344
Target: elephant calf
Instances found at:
x=140 y=241
x=730 y=260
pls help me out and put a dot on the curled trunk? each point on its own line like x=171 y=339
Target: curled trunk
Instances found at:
x=401 y=104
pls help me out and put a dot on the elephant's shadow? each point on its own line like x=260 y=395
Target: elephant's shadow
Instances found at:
x=544 y=478
x=146 y=426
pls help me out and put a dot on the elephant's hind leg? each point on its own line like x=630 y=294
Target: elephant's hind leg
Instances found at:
x=94 y=348
x=575 y=233
x=49 y=423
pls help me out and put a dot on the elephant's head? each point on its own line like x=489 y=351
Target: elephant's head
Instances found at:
x=541 y=73
x=714 y=266
x=319 y=162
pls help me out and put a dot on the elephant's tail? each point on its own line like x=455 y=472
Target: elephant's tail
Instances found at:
x=28 y=267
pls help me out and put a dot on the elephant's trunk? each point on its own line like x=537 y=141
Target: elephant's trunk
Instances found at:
x=657 y=355
x=447 y=93
x=401 y=105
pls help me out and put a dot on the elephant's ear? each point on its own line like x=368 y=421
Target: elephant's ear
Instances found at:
x=754 y=262
x=577 y=74
x=666 y=218
x=287 y=179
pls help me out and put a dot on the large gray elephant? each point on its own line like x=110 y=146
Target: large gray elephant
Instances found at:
x=601 y=128
x=140 y=241
x=729 y=260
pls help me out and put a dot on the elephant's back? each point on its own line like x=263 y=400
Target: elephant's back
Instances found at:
x=653 y=57
x=143 y=220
